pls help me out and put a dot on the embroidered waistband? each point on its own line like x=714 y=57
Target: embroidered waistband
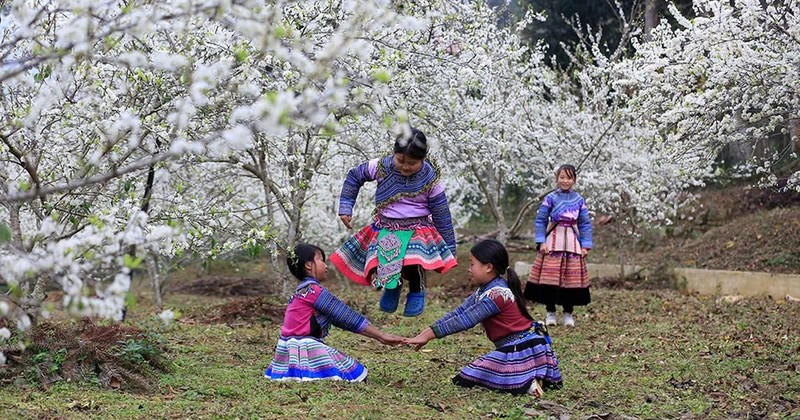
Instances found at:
x=512 y=338
x=383 y=222
x=537 y=330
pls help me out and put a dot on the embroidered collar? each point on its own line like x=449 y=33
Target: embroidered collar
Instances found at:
x=497 y=282
x=394 y=186
x=307 y=281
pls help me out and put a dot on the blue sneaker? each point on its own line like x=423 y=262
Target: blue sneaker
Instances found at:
x=390 y=299
x=415 y=303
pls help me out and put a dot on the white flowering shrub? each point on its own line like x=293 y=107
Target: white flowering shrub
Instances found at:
x=134 y=132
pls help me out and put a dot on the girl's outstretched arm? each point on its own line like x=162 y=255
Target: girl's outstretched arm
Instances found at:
x=346 y=318
x=385 y=338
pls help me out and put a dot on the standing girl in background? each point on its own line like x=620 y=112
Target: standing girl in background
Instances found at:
x=522 y=361
x=301 y=355
x=563 y=238
x=411 y=231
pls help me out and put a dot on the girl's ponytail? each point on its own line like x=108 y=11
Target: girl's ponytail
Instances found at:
x=516 y=288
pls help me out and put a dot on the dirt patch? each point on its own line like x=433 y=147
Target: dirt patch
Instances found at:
x=736 y=228
x=629 y=283
x=114 y=356
x=225 y=286
x=244 y=311
x=767 y=241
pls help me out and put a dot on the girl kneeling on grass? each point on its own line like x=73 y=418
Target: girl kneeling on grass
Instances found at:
x=301 y=354
x=522 y=361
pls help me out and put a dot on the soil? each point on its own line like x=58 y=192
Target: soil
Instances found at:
x=217 y=285
x=733 y=228
x=244 y=311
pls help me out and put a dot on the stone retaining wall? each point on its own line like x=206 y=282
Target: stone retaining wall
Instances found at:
x=706 y=282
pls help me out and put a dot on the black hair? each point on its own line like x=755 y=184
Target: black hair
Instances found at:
x=302 y=254
x=570 y=171
x=490 y=251
x=415 y=145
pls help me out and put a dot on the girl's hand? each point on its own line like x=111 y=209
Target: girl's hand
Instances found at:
x=346 y=219
x=391 y=339
x=584 y=252
x=544 y=249
x=421 y=340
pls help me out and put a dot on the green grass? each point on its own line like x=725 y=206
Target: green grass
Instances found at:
x=648 y=354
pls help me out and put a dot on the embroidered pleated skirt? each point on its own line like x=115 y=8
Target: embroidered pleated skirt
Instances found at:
x=514 y=365
x=309 y=359
x=560 y=277
x=376 y=254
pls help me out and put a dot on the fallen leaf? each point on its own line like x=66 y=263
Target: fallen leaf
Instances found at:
x=552 y=407
x=730 y=299
x=530 y=412
x=436 y=406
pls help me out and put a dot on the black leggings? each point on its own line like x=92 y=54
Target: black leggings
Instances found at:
x=552 y=308
x=415 y=276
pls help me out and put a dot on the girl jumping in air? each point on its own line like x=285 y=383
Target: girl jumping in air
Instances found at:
x=411 y=230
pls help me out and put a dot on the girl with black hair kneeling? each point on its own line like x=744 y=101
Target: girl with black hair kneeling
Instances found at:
x=301 y=355
x=522 y=361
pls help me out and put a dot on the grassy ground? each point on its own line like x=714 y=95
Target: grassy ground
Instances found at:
x=640 y=353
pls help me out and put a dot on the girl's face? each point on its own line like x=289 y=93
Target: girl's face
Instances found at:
x=317 y=269
x=479 y=272
x=564 y=181
x=406 y=164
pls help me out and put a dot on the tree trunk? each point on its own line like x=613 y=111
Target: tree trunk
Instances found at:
x=155 y=280
x=652 y=16
x=16 y=230
x=493 y=203
x=31 y=303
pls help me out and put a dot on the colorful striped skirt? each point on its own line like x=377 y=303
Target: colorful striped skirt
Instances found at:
x=358 y=256
x=309 y=359
x=560 y=277
x=514 y=366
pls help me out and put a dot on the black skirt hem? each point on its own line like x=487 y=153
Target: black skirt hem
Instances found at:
x=554 y=295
